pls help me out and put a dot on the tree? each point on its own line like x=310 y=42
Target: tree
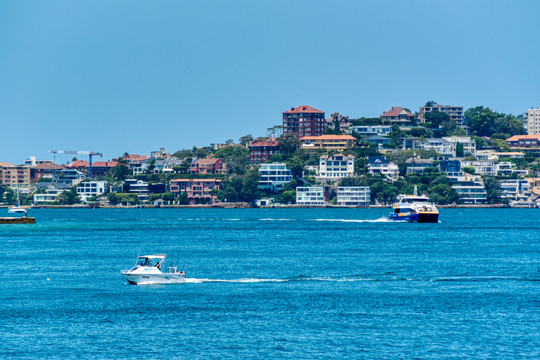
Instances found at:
x=296 y=166
x=288 y=144
x=245 y=140
x=68 y=197
x=437 y=118
x=120 y=172
x=459 y=150
x=430 y=103
x=468 y=170
x=250 y=184
x=493 y=189
x=229 y=142
x=483 y=121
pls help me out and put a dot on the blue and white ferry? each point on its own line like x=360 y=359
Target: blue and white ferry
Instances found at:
x=414 y=208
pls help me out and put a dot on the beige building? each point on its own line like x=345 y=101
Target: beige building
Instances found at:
x=328 y=142
x=533 y=121
x=13 y=175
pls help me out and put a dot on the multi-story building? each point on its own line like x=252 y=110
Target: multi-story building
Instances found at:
x=52 y=190
x=507 y=168
x=13 y=175
x=524 y=141
x=328 y=142
x=68 y=176
x=303 y=121
x=354 y=195
x=336 y=166
x=310 y=195
x=87 y=189
x=441 y=146
x=102 y=168
x=469 y=144
x=274 y=176
x=455 y=113
x=481 y=167
x=208 y=166
x=418 y=166
x=470 y=189
x=261 y=151
x=378 y=165
x=197 y=190
x=44 y=170
x=398 y=116
x=533 y=121
x=33 y=161
x=515 y=189
x=369 y=130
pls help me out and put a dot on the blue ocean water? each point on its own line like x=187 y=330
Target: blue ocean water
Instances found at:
x=274 y=284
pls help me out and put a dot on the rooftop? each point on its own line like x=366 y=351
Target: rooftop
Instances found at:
x=329 y=137
x=303 y=109
x=396 y=111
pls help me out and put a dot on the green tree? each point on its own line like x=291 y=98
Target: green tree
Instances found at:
x=483 y=121
x=288 y=144
x=119 y=173
x=430 y=103
x=493 y=189
x=436 y=118
x=245 y=140
x=68 y=197
x=250 y=184
x=460 y=152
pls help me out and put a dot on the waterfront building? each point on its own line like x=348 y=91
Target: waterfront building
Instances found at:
x=208 y=166
x=87 y=189
x=274 y=176
x=14 y=175
x=451 y=167
x=515 y=189
x=507 y=168
x=51 y=192
x=303 y=121
x=398 y=116
x=336 y=166
x=470 y=188
x=134 y=186
x=310 y=195
x=533 y=121
x=199 y=191
x=418 y=166
x=261 y=151
x=455 y=113
x=370 y=130
x=378 y=165
x=68 y=176
x=354 y=195
x=328 y=142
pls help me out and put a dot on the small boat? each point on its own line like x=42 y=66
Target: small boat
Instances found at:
x=147 y=270
x=414 y=208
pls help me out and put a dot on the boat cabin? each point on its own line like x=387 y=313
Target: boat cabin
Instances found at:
x=151 y=260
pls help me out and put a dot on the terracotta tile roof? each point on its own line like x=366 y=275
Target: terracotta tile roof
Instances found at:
x=79 y=164
x=303 y=109
x=207 y=161
x=48 y=166
x=328 y=137
x=395 y=111
x=105 y=164
x=199 y=180
x=524 y=137
x=6 y=164
x=130 y=157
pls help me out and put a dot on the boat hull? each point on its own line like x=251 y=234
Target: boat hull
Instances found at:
x=416 y=217
x=144 y=279
x=17 y=220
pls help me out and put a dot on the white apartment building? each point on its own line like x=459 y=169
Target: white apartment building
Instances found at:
x=310 y=195
x=354 y=195
x=469 y=145
x=378 y=165
x=370 y=130
x=515 y=189
x=88 y=189
x=336 y=167
x=470 y=189
x=481 y=167
x=533 y=121
x=52 y=190
x=506 y=168
x=441 y=146
x=274 y=176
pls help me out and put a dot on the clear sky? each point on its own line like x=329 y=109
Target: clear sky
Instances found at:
x=136 y=75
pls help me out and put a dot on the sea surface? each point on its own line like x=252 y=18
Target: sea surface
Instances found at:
x=272 y=284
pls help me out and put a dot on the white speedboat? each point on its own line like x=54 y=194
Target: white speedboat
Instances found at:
x=147 y=270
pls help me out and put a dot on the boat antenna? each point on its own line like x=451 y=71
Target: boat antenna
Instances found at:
x=138 y=257
x=415 y=191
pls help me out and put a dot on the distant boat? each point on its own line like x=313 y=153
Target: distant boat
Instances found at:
x=17 y=209
x=414 y=208
x=147 y=270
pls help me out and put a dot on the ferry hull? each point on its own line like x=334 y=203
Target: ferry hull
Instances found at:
x=419 y=218
x=144 y=279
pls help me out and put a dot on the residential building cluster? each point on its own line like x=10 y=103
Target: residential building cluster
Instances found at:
x=199 y=180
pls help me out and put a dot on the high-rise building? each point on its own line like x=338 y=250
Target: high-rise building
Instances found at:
x=533 y=121
x=455 y=112
x=303 y=121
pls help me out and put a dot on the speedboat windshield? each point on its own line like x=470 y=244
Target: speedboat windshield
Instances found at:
x=148 y=261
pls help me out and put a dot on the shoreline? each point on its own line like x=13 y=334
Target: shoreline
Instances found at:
x=248 y=206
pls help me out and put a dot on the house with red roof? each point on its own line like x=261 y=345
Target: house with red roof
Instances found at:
x=101 y=168
x=199 y=191
x=398 y=115
x=525 y=141
x=303 y=121
x=208 y=166
x=44 y=170
x=261 y=151
x=81 y=165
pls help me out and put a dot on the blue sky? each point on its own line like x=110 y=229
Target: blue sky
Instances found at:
x=134 y=76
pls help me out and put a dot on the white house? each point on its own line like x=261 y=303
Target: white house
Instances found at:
x=274 y=176
x=336 y=167
x=354 y=195
x=52 y=190
x=310 y=195
x=469 y=145
x=378 y=165
x=515 y=189
x=88 y=189
x=481 y=167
